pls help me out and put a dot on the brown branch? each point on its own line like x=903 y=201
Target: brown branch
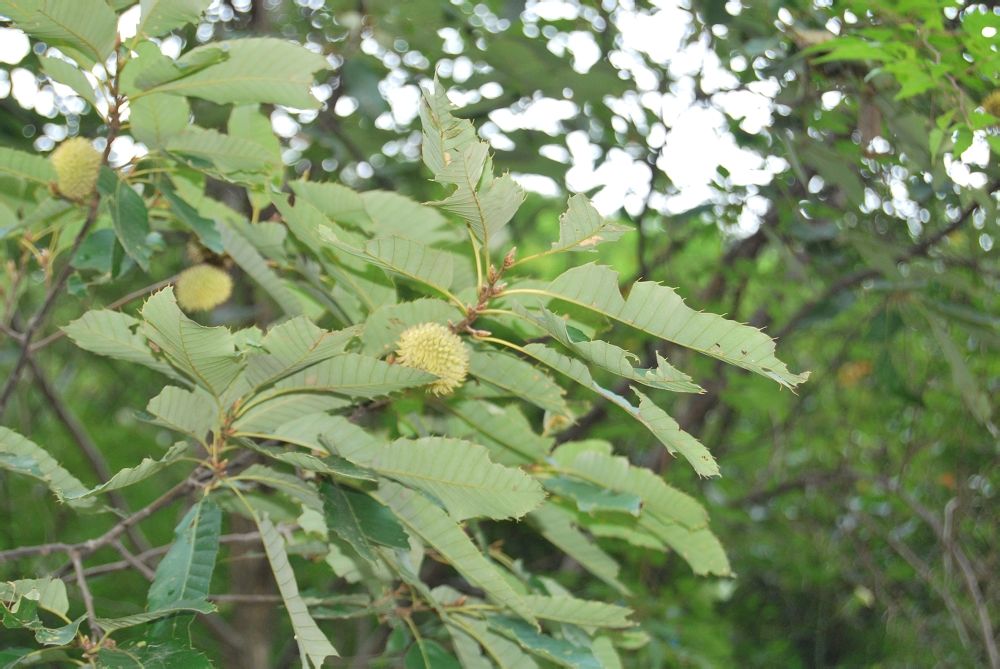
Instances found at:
x=88 y=598
x=85 y=548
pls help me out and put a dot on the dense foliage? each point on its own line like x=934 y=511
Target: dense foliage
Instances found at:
x=283 y=326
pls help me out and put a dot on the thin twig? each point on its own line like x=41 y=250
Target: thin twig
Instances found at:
x=88 y=598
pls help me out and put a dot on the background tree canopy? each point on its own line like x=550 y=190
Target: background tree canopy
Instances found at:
x=260 y=495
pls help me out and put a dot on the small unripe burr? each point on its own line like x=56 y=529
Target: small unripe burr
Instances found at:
x=991 y=103
x=203 y=287
x=77 y=164
x=434 y=348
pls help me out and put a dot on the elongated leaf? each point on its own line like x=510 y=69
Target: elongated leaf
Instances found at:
x=659 y=311
x=259 y=69
x=426 y=654
x=206 y=355
x=504 y=653
x=47 y=593
x=151 y=656
x=23 y=456
x=27 y=166
x=183 y=606
x=700 y=548
x=611 y=357
x=504 y=430
x=460 y=475
x=156 y=119
x=443 y=134
x=581 y=612
x=129 y=215
x=185 y=572
x=298 y=489
x=270 y=414
x=293 y=345
x=112 y=334
x=593 y=461
x=401 y=256
x=190 y=412
x=215 y=152
x=88 y=27
x=314 y=647
x=162 y=16
x=254 y=264
x=519 y=378
x=441 y=532
x=561 y=652
x=132 y=475
x=362 y=522
x=556 y=526
x=70 y=75
x=485 y=203
x=582 y=227
x=674 y=438
x=351 y=375
x=589 y=497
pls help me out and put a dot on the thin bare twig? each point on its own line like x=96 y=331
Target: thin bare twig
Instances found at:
x=88 y=598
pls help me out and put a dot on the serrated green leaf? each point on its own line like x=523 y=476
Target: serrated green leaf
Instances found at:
x=659 y=311
x=443 y=134
x=593 y=461
x=70 y=75
x=459 y=474
x=556 y=526
x=351 y=375
x=291 y=346
x=185 y=572
x=440 y=531
x=559 y=651
x=581 y=227
x=589 y=497
x=256 y=267
x=298 y=489
x=611 y=357
x=191 y=412
x=362 y=522
x=217 y=153
x=87 y=27
x=129 y=215
x=184 y=606
x=112 y=334
x=23 y=456
x=269 y=415
x=151 y=656
x=504 y=430
x=161 y=16
x=504 y=653
x=27 y=166
x=206 y=355
x=314 y=647
x=132 y=475
x=518 y=378
x=157 y=119
x=582 y=612
x=674 y=438
x=258 y=69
